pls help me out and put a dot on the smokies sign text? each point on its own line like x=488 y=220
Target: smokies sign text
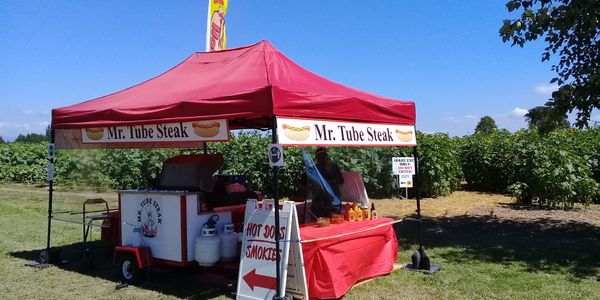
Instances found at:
x=261 y=238
x=316 y=132
x=211 y=130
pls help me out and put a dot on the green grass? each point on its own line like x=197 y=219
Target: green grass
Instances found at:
x=481 y=257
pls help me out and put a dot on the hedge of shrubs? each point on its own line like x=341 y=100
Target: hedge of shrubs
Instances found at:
x=554 y=170
x=246 y=153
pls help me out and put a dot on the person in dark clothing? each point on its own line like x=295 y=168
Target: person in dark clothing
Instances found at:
x=322 y=205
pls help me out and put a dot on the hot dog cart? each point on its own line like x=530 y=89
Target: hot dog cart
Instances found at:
x=161 y=225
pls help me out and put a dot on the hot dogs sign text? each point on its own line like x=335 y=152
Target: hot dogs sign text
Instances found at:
x=316 y=132
x=257 y=276
x=208 y=130
x=263 y=234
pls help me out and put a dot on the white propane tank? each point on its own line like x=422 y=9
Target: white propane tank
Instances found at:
x=229 y=243
x=208 y=247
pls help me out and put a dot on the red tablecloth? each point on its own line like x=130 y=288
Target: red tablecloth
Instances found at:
x=334 y=265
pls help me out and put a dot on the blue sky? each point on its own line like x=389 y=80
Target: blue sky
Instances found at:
x=445 y=55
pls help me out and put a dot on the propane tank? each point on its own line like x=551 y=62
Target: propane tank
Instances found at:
x=136 y=239
x=229 y=243
x=208 y=245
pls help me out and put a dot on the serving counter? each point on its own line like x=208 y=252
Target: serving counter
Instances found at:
x=340 y=255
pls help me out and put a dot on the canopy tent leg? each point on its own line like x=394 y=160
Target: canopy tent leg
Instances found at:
x=417 y=195
x=275 y=140
x=420 y=260
x=46 y=256
x=50 y=190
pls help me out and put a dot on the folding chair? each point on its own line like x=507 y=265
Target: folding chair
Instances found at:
x=88 y=220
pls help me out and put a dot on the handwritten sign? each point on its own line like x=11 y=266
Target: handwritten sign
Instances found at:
x=257 y=275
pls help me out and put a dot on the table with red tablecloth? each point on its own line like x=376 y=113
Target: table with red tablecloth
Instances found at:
x=340 y=255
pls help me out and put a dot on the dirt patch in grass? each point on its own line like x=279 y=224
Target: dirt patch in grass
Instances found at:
x=466 y=203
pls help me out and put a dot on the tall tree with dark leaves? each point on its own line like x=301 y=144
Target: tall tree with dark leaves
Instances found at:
x=486 y=125
x=571 y=29
x=545 y=119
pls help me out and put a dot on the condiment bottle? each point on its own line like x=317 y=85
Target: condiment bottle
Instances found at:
x=351 y=215
x=347 y=209
x=359 y=214
x=373 y=212
x=365 y=213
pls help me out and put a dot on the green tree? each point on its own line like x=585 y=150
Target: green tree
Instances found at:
x=486 y=125
x=571 y=29
x=1 y=140
x=31 y=138
x=545 y=119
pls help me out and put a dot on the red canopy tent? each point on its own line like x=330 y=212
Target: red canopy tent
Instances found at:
x=246 y=87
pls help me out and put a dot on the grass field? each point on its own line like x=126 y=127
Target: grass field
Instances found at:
x=488 y=249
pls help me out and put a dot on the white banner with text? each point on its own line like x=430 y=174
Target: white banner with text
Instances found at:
x=211 y=130
x=309 y=132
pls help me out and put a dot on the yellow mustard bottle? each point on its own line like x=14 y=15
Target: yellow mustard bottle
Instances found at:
x=359 y=214
x=351 y=215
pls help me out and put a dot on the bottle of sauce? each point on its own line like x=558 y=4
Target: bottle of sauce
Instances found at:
x=359 y=214
x=347 y=209
x=366 y=214
x=373 y=212
x=352 y=215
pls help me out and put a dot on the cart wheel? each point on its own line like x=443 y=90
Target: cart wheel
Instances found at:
x=129 y=271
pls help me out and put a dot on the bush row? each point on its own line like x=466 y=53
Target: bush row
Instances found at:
x=440 y=171
x=554 y=170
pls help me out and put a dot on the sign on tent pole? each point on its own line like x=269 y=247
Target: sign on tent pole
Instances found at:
x=257 y=276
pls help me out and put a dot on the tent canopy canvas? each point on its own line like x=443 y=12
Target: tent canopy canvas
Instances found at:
x=241 y=85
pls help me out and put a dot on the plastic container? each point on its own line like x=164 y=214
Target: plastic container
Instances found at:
x=229 y=243
x=207 y=247
x=323 y=222
x=337 y=219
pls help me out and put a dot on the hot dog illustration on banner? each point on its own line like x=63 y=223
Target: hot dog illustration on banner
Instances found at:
x=404 y=135
x=296 y=133
x=94 y=133
x=206 y=129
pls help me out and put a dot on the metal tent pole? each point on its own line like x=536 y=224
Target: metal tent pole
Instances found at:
x=418 y=195
x=50 y=190
x=420 y=260
x=275 y=140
